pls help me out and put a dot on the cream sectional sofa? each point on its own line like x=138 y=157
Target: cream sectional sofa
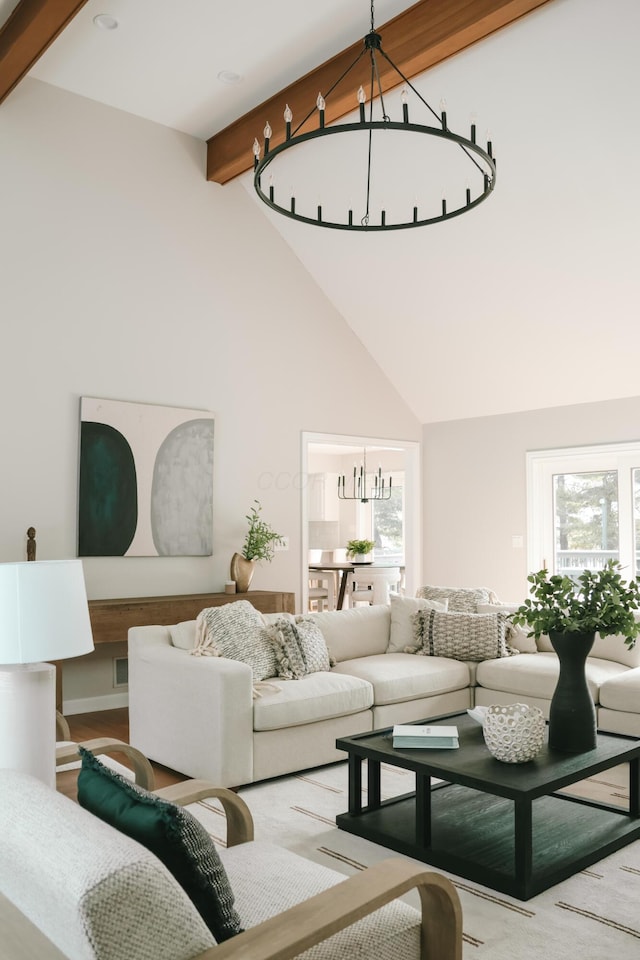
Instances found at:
x=202 y=717
x=199 y=715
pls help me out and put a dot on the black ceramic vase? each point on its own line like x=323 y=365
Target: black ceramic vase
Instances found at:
x=572 y=716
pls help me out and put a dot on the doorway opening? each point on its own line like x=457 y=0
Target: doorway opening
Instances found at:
x=328 y=523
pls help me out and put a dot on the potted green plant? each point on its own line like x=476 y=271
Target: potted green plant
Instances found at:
x=359 y=550
x=259 y=544
x=571 y=613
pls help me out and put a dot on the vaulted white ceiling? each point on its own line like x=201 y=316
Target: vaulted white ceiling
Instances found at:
x=528 y=301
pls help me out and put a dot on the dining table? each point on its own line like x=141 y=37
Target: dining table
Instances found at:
x=344 y=568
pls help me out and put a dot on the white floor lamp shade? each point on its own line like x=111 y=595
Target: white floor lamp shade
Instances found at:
x=44 y=615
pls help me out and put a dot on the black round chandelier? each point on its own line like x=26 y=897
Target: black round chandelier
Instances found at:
x=369 y=158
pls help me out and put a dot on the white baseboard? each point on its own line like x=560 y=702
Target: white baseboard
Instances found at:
x=90 y=704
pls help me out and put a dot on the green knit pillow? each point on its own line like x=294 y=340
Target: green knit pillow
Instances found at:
x=170 y=832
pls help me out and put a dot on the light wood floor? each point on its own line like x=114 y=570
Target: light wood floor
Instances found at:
x=107 y=723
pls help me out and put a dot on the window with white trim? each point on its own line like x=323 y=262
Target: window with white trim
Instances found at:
x=584 y=508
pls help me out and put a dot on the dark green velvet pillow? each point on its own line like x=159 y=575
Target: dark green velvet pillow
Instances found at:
x=170 y=832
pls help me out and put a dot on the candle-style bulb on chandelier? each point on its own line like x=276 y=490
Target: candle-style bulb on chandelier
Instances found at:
x=375 y=177
x=364 y=488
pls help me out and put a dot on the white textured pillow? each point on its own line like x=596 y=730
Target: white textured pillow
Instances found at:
x=313 y=645
x=461 y=599
x=401 y=634
x=517 y=637
x=236 y=631
x=461 y=636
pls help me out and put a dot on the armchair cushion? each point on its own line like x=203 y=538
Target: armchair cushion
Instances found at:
x=390 y=933
x=168 y=831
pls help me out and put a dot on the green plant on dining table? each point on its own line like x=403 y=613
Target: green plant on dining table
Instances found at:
x=599 y=602
x=356 y=548
x=261 y=538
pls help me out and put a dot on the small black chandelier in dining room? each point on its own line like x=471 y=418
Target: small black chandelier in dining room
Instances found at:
x=364 y=488
x=351 y=172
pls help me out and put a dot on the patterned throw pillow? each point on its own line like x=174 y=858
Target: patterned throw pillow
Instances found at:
x=461 y=636
x=236 y=631
x=286 y=646
x=168 y=831
x=461 y=599
x=314 y=646
x=299 y=647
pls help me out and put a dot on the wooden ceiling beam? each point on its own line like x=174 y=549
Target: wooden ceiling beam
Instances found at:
x=30 y=29
x=426 y=34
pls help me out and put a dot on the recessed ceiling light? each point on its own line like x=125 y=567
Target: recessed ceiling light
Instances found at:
x=105 y=22
x=229 y=76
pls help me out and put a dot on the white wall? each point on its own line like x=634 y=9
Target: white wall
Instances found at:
x=542 y=275
x=475 y=487
x=125 y=274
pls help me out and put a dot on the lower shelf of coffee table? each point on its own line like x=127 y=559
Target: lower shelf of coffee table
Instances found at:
x=473 y=836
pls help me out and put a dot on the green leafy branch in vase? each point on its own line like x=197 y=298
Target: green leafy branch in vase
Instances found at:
x=261 y=539
x=600 y=601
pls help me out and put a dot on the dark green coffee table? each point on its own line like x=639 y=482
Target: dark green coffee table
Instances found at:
x=499 y=824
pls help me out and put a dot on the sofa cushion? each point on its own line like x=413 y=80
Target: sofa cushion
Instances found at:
x=168 y=831
x=401 y=633
x=461 y=636
x=604 y=648
x=536 y=675
x=460 y=599
x=622 y=692
x=319 y=696
x=236 y=631
x=517 y=637
x=396 y=677
x=358 y=632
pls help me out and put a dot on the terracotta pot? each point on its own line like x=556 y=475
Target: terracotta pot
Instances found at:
x=241 y=571
x=572 y=715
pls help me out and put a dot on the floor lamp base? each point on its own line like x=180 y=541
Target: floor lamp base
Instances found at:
x=28 y=719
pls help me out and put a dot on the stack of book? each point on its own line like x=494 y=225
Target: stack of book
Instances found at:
x=424 y=737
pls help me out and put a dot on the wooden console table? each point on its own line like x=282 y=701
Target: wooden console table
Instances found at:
x=111 y=619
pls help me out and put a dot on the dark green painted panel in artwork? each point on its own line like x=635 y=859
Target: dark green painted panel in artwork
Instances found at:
x=108 y=499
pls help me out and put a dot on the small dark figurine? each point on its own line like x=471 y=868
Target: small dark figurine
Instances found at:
x=31 y=543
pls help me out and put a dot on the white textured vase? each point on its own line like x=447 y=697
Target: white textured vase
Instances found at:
x=514 y=733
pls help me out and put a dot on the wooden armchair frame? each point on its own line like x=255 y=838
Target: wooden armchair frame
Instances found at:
x=295 y=930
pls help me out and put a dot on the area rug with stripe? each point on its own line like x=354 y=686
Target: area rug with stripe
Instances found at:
x=592 y=915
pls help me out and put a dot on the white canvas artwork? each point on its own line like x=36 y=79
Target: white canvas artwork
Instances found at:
x=145 y=481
